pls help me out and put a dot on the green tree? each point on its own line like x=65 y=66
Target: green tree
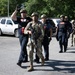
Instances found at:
x=12 y=6
x=35 y=6
x=53 y=8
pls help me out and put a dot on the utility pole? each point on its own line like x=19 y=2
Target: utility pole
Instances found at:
x=8 y=8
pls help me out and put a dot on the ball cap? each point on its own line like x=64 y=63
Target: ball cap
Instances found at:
x=43 y=16
x=23 y=11
x=34 y=14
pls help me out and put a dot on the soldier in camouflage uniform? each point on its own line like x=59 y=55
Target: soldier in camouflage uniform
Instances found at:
x=36 y=33
x=73 y=33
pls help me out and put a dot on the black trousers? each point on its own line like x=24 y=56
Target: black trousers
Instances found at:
x=63 y=42
x=45 y=45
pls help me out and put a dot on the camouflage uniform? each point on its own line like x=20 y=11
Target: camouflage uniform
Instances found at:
x=35 y=40
x=73 y=33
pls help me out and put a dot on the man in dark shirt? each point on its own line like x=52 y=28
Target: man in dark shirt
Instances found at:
x=23 y=38
x=69 y=27
x=47 y=35
x=62 y=34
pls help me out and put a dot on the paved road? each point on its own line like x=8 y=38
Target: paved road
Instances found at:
x=59 y=63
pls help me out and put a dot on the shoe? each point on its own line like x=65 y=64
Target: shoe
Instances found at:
x=30 y=68
x=19 y=64
x=71 y=45
x=60 y=51
x=46 y=59
x=65 y=50
x=37 y=61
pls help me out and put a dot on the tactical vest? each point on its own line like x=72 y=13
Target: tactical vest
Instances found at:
x=62 y=27
x=36 y=31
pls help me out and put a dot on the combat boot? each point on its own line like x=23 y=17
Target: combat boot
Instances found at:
x=71 y=45
x=30 y=68
x=42 y=61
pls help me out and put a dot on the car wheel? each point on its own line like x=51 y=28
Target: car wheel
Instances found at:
x=16 y=33
x=0 y=32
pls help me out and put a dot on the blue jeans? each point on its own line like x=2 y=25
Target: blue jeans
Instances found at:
x=23 y=43
x=63 y=41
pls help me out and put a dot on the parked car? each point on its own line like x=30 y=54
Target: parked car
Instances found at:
x=56 y=21
x=8 y=26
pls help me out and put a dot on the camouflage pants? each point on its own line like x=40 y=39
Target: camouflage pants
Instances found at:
x=31 y=47
x=72 y=39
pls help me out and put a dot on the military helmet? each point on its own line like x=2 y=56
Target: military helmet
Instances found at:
x=23 y=11
x=34 y=14
x=43 y=16
x=72 y=21
x=62 y=16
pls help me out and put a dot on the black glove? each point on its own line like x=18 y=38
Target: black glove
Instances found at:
x=18 y=8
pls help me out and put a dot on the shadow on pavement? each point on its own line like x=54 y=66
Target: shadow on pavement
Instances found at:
x=71 y=50
x=4 y=35
x=58 y=65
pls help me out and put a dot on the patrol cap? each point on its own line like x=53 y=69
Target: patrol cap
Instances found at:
x=23 y=11
x=43 y=16
x=61 y=16
x=34 y=14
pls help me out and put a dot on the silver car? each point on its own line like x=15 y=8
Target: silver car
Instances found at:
x=8 y=26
